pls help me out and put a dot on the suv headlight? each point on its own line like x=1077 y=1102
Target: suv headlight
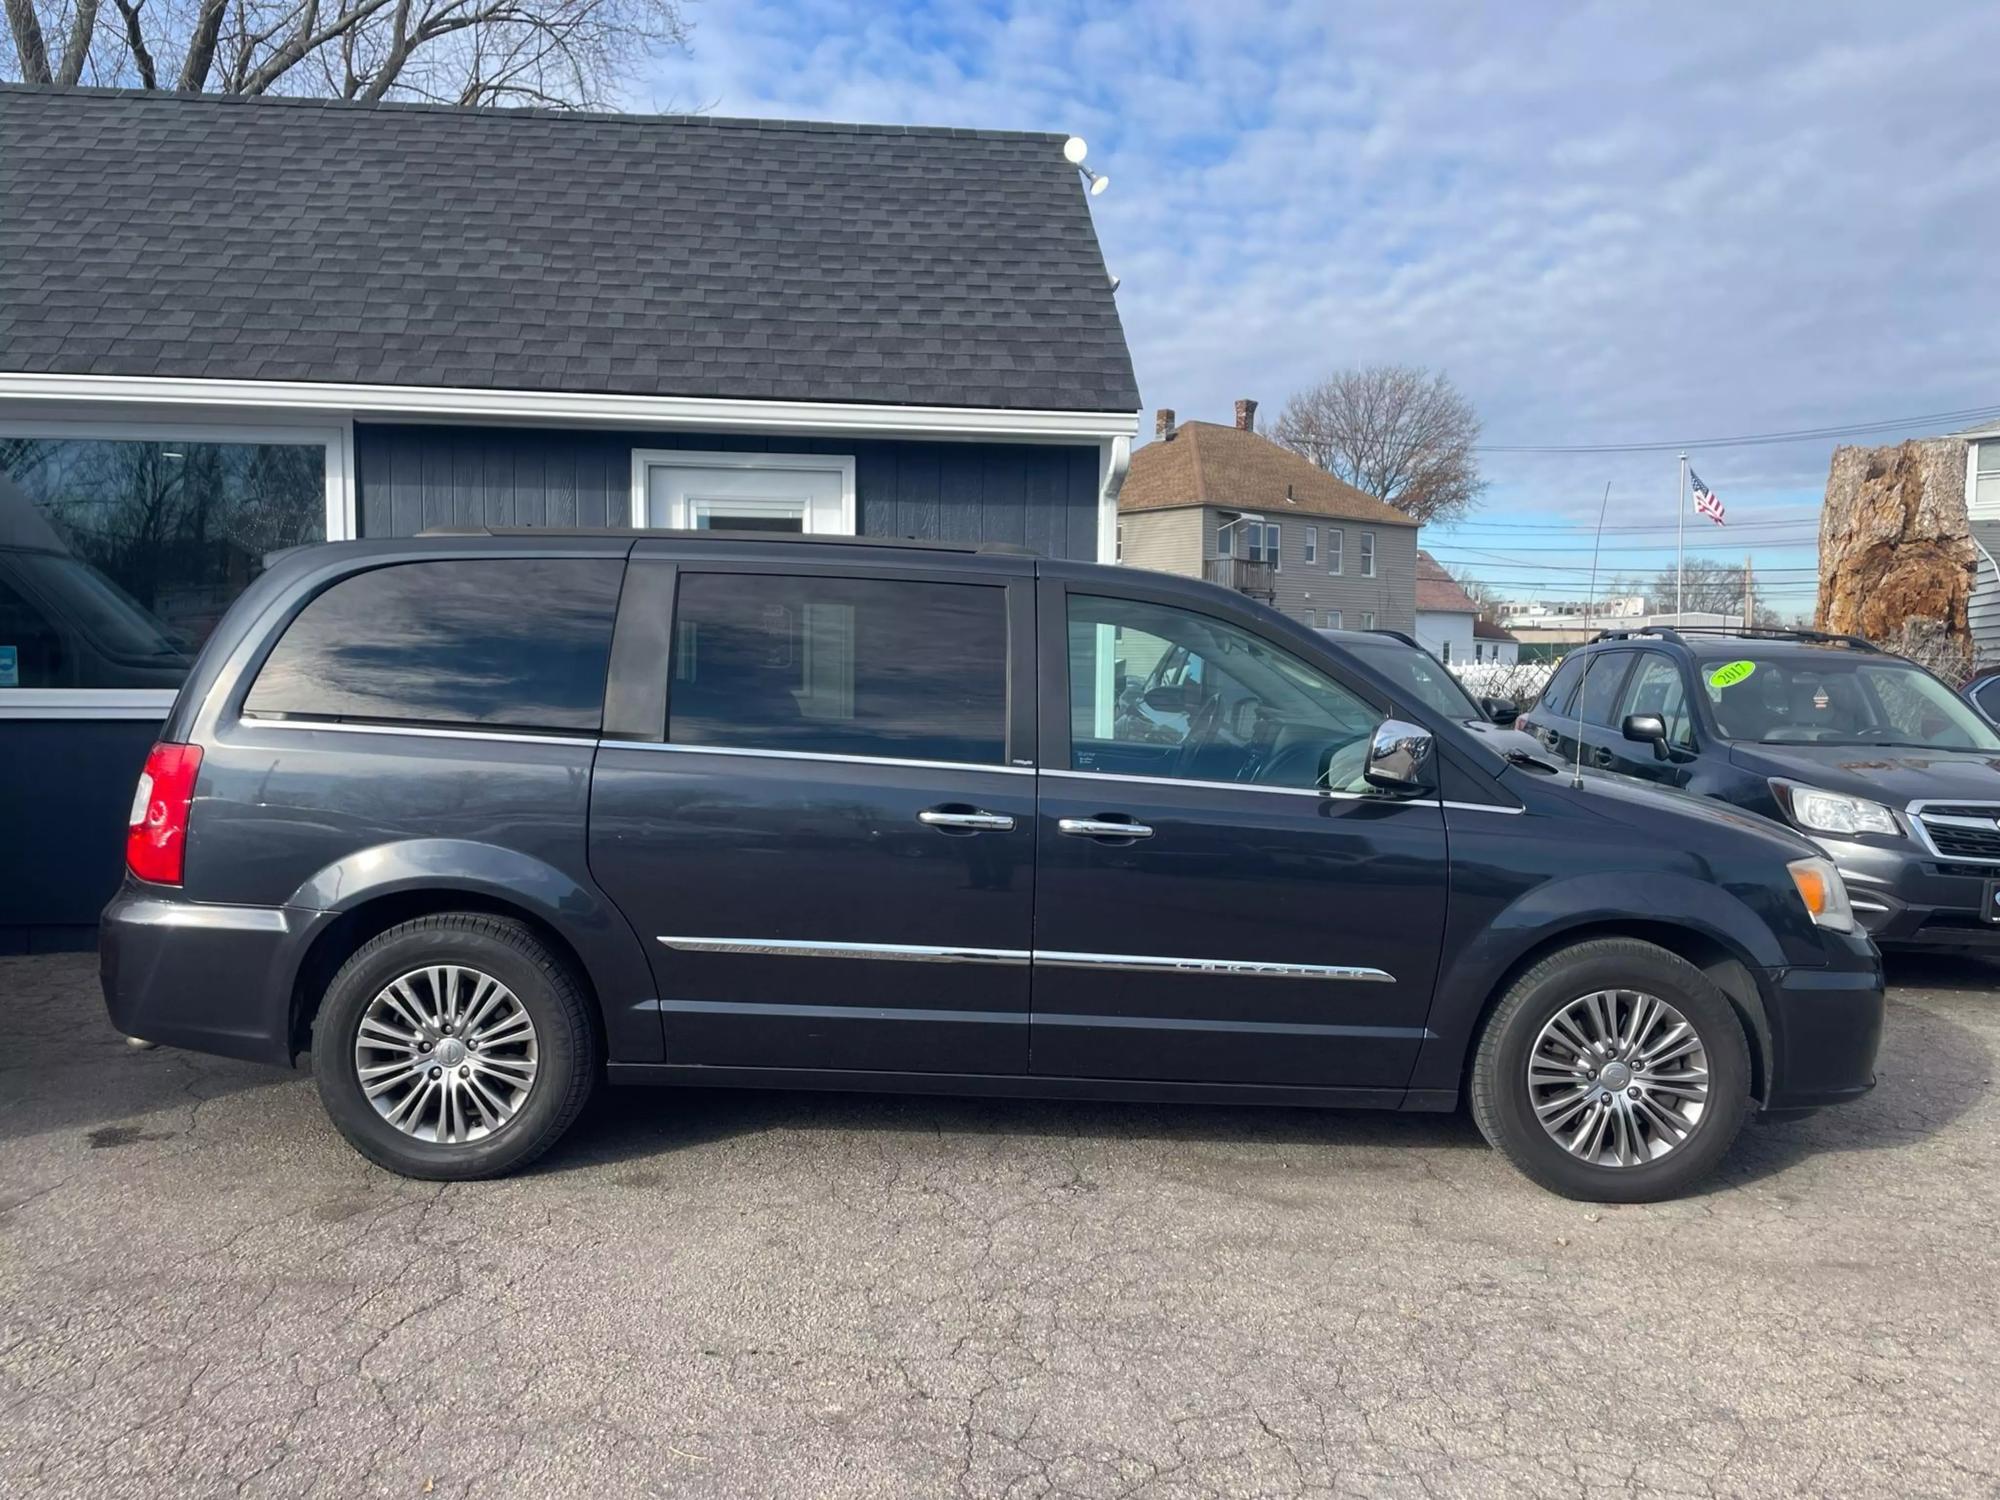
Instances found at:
x=1825 y=895
x=1833 y=812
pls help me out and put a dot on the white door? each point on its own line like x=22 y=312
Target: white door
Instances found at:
x=747 y=492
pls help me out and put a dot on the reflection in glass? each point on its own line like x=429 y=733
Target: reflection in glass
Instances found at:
x=118 y=557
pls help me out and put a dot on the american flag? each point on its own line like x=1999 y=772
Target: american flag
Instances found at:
x=1705 y=502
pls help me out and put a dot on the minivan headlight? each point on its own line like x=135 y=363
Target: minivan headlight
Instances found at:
x=1833 y=812
x=1824 y=893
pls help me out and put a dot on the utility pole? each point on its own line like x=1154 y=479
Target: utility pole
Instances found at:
x=1749 y=595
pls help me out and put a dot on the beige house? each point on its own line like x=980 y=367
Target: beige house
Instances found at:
x=1219 y=502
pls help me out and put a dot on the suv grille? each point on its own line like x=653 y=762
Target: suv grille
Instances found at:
x=1961 y=830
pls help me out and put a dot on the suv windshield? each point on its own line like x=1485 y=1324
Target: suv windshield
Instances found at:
x=1838 y=698
x=1430 y=682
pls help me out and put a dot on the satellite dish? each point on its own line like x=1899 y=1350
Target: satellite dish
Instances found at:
x=1098 y=184
x=1074 y=149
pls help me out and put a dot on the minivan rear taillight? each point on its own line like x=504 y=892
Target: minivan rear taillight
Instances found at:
x=156 y=840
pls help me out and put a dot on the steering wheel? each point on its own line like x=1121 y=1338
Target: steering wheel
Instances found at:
x=1202 y=725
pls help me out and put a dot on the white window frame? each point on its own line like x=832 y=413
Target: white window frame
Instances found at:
x=1367 y=554
x=645 y=460
x=1312 y=546
x=337 y=440
x=1333 y=620
x=1336 y=544
x=1367 y=619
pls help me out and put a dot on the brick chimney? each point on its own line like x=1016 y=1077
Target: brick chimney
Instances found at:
x=1163 y=423
x=1246 y=415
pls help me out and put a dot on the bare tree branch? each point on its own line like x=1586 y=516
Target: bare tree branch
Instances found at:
x=563 y=54
x=76 y=52
x=201 y=46
x=1404 y=435
x=135 y=38
x=29 y=45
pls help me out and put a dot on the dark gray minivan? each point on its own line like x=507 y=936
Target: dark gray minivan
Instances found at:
x=477 y=820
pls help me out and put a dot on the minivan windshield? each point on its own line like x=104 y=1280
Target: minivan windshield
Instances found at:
x=1428 y=680
x=1837 y=698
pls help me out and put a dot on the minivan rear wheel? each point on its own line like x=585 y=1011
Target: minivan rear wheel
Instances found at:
x=1613 y=1072
x=454 y=1046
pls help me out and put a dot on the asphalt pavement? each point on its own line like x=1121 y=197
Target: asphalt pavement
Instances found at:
x=203 y=1291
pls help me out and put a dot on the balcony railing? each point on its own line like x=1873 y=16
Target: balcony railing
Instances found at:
x=1257 y=579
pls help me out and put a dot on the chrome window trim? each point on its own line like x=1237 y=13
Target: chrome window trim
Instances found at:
x=1492 y=807
x=824 y=756
x=1254 y=968
x=921 y=953
x=1246 y=786
x=1923 y=833
x=928 y=953
x=422 y=731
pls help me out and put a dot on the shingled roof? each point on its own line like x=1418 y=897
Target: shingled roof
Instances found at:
x=1438 y=592
x=1205 y=463
x=533 y=250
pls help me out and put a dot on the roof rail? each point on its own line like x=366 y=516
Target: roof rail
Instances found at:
x=719 y=535
x=1744 y=632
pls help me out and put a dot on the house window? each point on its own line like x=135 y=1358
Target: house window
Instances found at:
x=1367 y=554
x=1312 y=545
x=1367 y=619
x=1335 y=538
x=1225 y=535
x=784 y=492
x=124 y=548
x=1118 y=549
x=1261 y=542
x=1444 y=652
x=1333 y=619
x=1986 y=486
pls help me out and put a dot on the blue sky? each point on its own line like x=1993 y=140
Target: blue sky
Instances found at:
x=1609 y=223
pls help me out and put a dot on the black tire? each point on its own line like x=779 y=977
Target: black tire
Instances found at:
x=566 y=1044
x=1504 y=1109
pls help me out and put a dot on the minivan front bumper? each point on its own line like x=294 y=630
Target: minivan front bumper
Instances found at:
x=209 y=978
x=1826 y=1026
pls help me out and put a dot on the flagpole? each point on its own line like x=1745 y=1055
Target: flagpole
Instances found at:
x=1680 y=555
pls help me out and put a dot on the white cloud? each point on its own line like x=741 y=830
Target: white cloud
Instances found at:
x=1607 y=221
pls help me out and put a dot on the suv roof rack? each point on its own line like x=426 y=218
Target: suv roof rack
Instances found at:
x=917 y=544
x=1744 y=632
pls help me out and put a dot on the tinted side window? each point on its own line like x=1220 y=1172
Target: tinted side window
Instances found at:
x=840 y=666
x=514 y=642
x=1555 y=697
x=1657 y=688
x=1601 y=681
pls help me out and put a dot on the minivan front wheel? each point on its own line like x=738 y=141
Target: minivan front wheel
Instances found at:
x=1614 y=1072
x=454 y=1046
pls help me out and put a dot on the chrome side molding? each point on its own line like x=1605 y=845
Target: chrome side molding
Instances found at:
x=1250 y=967
x=927 y=954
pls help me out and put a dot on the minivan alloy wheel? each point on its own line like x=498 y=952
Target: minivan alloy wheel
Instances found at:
x=1618 y=1078
x=446 y=1054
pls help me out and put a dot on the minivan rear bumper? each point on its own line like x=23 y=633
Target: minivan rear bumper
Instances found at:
x=208 y=978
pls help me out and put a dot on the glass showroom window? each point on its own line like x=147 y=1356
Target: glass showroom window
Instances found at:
x=119 y=554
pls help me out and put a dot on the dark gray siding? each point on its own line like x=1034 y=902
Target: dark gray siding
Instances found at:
x=1038 y=495
x=65 y=789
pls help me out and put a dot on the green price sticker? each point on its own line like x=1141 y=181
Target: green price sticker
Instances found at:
x=1731 y=673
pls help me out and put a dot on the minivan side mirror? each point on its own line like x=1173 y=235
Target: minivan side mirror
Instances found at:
x=1399 y=757
x=1502 y=711
x=1647 y=729
x=1166 y=700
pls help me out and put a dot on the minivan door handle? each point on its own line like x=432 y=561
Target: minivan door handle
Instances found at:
x=1103 y=828
x=968 y=822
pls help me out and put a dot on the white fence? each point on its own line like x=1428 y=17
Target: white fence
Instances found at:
x=1521 y=681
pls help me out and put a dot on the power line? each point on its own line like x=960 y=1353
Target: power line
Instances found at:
x=1755 y=439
